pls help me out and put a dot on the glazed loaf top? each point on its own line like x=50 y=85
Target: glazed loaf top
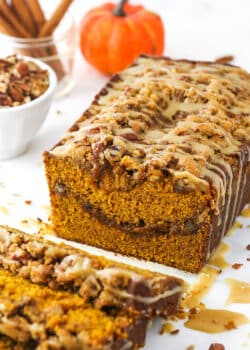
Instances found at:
x=163 y=117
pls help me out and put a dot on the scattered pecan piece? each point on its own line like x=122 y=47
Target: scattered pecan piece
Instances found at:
x=230 y=325
x=225 y=59
x=236 y=266
x=216 y=346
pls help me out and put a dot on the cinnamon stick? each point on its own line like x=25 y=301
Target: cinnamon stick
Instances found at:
x=13 y=19
x=25 y=16
x=36 y=12
x=50 y=25
x=6 y=28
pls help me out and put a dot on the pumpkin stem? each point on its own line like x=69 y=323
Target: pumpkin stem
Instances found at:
x=119 y=9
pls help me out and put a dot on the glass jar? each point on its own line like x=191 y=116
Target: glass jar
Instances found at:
x=57 y=51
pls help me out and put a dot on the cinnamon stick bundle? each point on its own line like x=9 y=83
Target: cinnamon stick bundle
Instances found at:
x=25 y=19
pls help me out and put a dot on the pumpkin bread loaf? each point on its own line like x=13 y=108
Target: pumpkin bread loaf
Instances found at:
x=54 y=296
x=158 y=166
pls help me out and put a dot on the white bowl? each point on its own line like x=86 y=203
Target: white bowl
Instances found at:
x=19 y=125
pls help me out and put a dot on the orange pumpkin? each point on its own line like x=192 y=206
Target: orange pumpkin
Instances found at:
x=113 y=36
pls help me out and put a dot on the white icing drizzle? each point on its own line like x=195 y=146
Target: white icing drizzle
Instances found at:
x=108 y=273
x=237 y=190
x=5 y=237
x=73 y=266
x=146 y=300
x=217 y=177
x=245 y=176
x=2 y=307
x=229 y=172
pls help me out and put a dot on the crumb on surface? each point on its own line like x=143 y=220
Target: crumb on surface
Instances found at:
x=216 y=346
x=16 y=195
x=193 y=311
x=225 y=59
x=4 y=210
x=230 y=325
x=236 y=266
x=167 y=327
x=181 y=314
x=28 y=201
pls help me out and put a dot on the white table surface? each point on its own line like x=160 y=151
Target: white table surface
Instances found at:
x=196 y=29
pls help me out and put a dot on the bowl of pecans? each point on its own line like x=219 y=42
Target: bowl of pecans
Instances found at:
x=27 y=86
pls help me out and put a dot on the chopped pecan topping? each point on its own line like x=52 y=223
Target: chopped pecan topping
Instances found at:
x=130 y=136
x=20 y=81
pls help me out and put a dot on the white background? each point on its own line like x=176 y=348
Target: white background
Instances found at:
x=197 y=29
